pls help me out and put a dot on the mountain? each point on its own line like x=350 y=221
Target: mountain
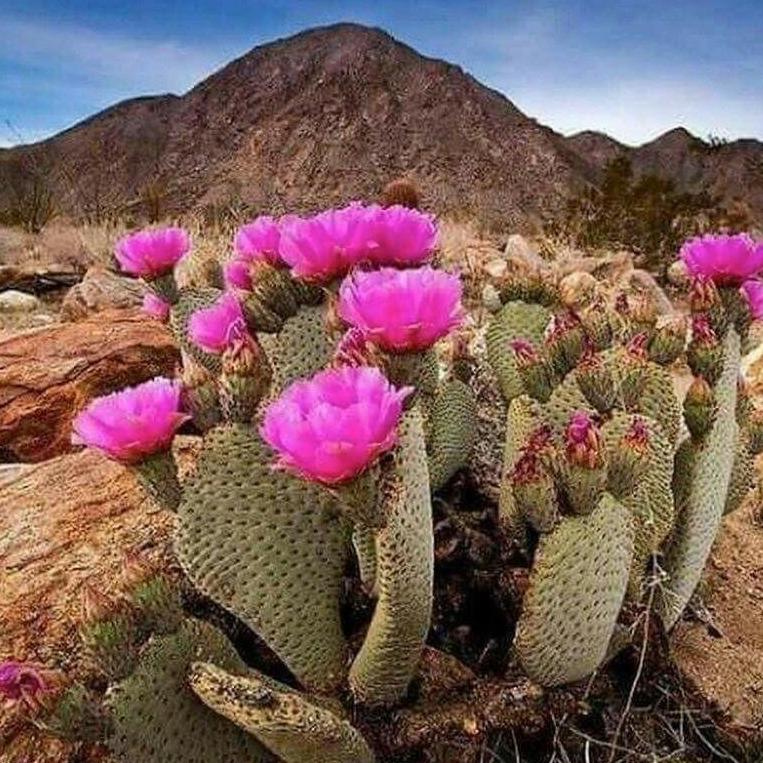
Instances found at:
x=731 y=171
x=323 y=117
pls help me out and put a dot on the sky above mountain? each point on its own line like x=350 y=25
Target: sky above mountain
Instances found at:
x=632 y=70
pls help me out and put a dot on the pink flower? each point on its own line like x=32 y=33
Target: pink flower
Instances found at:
x=156 y=307
x=23 y=683
x=402 y=310
x=328 y=245
x=258 y=240
x=216 y=328
x=726 y=260
x=331 y=427
x=152 y=253
x=133 y=423
x=753 y=293
x=403 y=236
x=583 y=440
x=237 y=274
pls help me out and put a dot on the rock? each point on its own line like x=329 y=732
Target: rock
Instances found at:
x=65 y=522
x=47 y=375
x=38 y=278
x=677 y=274
x=496 y=267
x=578 y=289
x=13 y=301
x=519 y=252
x=641 y=280
x=723 y=660
x=101 y=289
x=609 y=267
x=490 y=298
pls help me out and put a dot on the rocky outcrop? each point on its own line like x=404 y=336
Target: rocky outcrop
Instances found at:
x=47 y=375
x=66 y=522
x=101 y=289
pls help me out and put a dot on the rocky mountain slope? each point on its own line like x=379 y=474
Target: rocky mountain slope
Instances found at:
x=332 y=114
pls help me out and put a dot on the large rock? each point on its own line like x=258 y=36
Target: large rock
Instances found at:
x=47 y=375
x=101 y=289
x=63 y=523
x=13 y=301
x=723 y=660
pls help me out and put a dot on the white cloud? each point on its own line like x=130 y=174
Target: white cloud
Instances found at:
x=97 y=58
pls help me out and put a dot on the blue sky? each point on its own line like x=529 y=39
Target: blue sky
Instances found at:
x=632 y=69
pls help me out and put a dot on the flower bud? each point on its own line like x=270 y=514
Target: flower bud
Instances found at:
x=354 y=349
x=534 y=489
x=632 y=368
x=153 y=597
x=199 y=395
x=705 y=354
x=755 y=430
x=583 y=469
x=597 y=382
x=668 y=341
x=532 y=368
x=273 y=287
x=258 y=315
x=565 y=342
x=597 y=324
x=699 y=407
x=244 y=380
x=628 y=458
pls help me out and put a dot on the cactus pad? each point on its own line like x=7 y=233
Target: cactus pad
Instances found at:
x=452 y=431
x=577 y=586
x=156 y=718
x=515 y=320
x=286 y=722
x=270 y=548
x=391 y=651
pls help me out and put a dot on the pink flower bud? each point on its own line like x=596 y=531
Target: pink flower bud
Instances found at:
x=752 y=291
x=156 y=307
x=216 y=328
x=583 y=442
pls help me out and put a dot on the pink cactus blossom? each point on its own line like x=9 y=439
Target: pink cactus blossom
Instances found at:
x=402 y=310
x=701 y=330
x=215 y=329
x=726 y=260
x=753 y=293
x=258 y=241
x=403 y=236
x=237 y=274
x=327 y=245
x=156 y=307
x=129 y=425
x=331 y=427
x=152 y=253
x=583 y=440
x=23 y=683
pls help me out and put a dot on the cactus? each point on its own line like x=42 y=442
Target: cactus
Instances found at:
x=644 y=493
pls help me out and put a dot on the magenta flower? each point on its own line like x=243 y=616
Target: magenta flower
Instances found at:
x=152 y=253
x=237 y=274
x=217 y=328
x=752 y=291
x=259 y=240
x=23 y=683
x=328 y=245
x=134 y=423
x=156 y=307
x=403 y=236
x=726 y=260
x=402 y=310
x=331 y=427
x=583 y=440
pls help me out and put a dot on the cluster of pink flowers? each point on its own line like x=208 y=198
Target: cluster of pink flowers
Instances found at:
x=728 y=260
x=331 y=427
x=152 y=253
x=402 y=310
x=329 y=244
x=130 y=425
x=215 y=329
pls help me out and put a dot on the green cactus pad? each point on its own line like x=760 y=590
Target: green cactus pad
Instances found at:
x=576 y=589
x=189 y=301
x=364 y=543
x=658 y=401
x=156 y=718
x=295 y=728
x=269 y=547
x=564 y=401
x=698 y=514
x=390 y=654
x=742 y=475
x=521 y=420
x=300 y=349
x=452 y=431
x=515 y=320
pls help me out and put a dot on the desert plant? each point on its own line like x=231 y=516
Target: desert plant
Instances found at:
x=593 y=431
x=355 y=443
